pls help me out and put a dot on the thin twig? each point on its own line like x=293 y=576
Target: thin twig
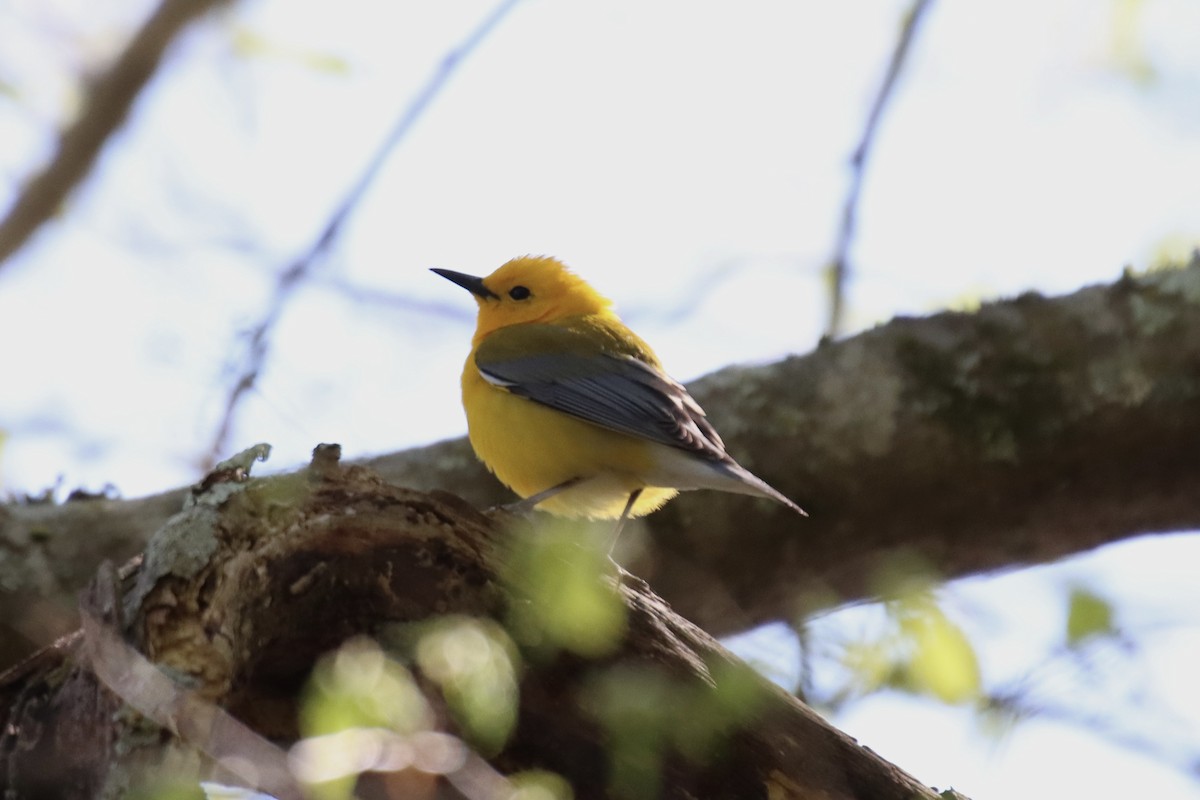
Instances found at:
x=393 y=301
x=839 y=267
x=1137 y=719
x=108 y=103
x=300 y=268
x=1167 y=748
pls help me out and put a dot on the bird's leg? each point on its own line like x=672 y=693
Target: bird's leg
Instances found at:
x=527 y=504
x=616 y=534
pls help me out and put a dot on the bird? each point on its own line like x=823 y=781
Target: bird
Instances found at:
x=573 y=411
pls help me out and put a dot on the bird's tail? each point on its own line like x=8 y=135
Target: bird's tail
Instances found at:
x=751 y=484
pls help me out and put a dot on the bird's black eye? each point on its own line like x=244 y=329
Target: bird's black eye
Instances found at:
x=519 y=293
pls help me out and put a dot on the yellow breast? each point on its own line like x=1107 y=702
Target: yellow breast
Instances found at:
x=532 y=448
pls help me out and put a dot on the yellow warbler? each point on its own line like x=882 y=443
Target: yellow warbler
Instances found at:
x=573 y=411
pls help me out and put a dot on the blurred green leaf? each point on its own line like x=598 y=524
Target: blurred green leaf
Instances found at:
x=356 y=697
x=539 y=785
x=871 y=664
x=968 y=301
x=637 y=707
x=1174 y=250
x=904 y=575
x=476 y=665
x=1128 y=48
x=648 y=713
x=1088 y=616
x=251 y=44
x=921 y=649
x=565 y=594
x=943 y=662
x=361 y=686
x=169 y=789
x=707 y=715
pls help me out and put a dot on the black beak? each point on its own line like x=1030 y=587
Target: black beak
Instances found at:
x=469 y=282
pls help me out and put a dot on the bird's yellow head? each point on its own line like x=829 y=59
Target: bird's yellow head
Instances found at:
x=528 y=289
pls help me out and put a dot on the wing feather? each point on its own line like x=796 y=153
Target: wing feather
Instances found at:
x=617 y=390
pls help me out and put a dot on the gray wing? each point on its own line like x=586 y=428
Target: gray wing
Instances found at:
x=619 y=392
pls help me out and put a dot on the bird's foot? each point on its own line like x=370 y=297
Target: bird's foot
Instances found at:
x=521 y=508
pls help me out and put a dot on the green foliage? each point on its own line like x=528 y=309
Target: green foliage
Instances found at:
x=1174 y=250
x=1127 y=50
x=564 y=590
x=173 y=789
x=251 y=44
x=871 y=665
x=941 y=662
x=968 y=301
x=920 y=650
x=648 y=714
x=635 y=708
x=1088 y=616
x=360 y=686
x=360 y=701
x=476 y=665
x=354 y=695
x=539 y=785
x=363 y=709
x=713 y=713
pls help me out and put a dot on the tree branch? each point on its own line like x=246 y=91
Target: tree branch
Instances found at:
x=967 y=442
x=301 y=268
x=839 y=265
x=972 y=442
x=108 y=103
x=238 y=597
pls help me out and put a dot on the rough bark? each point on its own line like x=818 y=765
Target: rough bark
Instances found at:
x=238 y=595
x=1017 y=434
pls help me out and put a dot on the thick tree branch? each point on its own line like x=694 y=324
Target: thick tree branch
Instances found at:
x=108 y=102
x=961 y=443
x=238 y=596
x=1029 y=430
